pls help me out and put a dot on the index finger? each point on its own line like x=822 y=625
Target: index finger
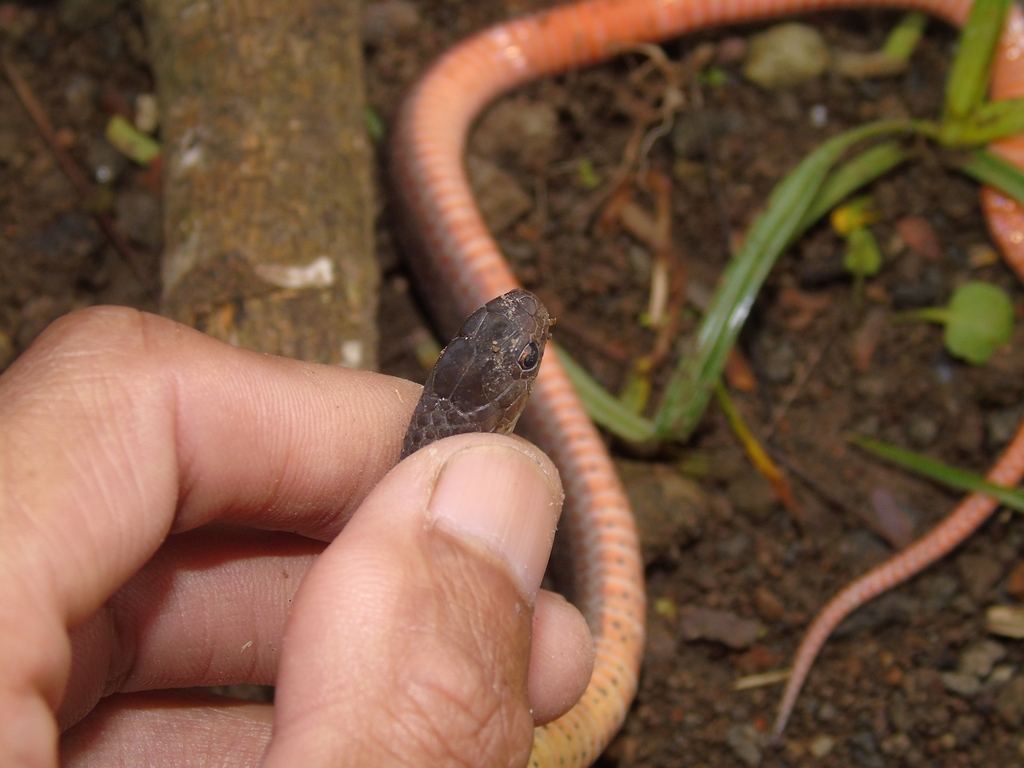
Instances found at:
x=117 y=428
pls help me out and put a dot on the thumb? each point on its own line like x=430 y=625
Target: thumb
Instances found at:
x=409 y=642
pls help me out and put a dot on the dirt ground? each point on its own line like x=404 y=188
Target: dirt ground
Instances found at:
x=913 y=679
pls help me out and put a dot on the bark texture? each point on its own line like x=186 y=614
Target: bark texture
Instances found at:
x=268 y=192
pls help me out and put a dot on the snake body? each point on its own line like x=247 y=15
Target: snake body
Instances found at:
x=460 y=267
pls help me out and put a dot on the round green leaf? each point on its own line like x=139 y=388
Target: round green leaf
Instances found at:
x=863 y=257
x=979 y=321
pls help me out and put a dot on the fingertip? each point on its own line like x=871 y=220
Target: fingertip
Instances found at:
x=561 y=657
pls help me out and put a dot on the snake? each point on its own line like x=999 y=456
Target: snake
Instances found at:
x=458 y=266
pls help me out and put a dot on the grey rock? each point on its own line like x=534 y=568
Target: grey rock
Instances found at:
x=719 y=626
x=961 y=683
x=744 y=742
x=389 y=20
x=980 y=658
x=786 y=55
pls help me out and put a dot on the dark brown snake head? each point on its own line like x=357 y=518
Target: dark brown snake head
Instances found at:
x=483 y=378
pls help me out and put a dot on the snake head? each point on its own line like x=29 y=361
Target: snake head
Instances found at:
x=483 y=378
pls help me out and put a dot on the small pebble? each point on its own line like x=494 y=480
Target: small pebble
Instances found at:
x=768 y=606
x=978 y=659
x=818 y=115
x=919 y=236
x=827 y=713
x=822 y=745
x=896 y=745
x=719 y=626
x=147 y=112
x=734 y=547
x=786 y=55
x=1000 y=676
x=389 y=20
x=961 y=683
x=744 y=742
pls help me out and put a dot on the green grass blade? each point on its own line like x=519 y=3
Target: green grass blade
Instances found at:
x=969 y=76
x=981 y=165
x=603 y=408
x=689 y=388
x=942 y=473
x=851 y=176
x=989 y=122
x=903 y=40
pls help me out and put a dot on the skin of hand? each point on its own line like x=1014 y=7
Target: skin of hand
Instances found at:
x=165 y=506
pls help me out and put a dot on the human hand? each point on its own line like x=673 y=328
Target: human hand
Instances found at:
x=147 y=473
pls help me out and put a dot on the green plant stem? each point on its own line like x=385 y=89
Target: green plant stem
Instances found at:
x=689 y=388
x=851 y=176
x=969 y=75
x=902 y=41
x=604 y=409
x=928 y=314
x=988 y=168
x=942 y=473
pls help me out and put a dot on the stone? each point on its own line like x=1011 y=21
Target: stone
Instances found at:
x=744 y=742
x=961 y=683
x=980 y=658
x=719 y=626
x=785 y=56
x=389 y=20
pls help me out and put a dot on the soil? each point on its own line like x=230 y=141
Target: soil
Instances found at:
x=902 y=684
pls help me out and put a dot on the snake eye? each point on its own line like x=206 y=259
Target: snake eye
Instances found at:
x=529 y=357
